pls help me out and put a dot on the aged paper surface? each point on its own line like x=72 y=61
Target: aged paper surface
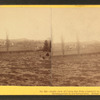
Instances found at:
x=49 y=50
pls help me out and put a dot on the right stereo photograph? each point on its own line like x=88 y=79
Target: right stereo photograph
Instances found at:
x=75 y=56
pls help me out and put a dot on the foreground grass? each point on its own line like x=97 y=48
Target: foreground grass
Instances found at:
x=76 y=70
x=25 y=69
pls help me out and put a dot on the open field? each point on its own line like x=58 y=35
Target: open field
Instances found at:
x=25 y=69
x=74 y=70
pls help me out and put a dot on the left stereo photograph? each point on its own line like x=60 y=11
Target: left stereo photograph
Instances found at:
x=25 y=46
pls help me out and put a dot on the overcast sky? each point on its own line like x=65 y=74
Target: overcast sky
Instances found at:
x=84 y=22
x=29 y=23
x=35 y=23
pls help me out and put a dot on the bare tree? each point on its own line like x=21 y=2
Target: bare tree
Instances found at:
x=78 y=44
x=62 y=45
x=7 y=42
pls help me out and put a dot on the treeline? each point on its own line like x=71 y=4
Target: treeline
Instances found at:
x=47 y=46
x=27 y=46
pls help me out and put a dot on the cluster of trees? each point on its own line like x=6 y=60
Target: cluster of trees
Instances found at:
x=47 y=46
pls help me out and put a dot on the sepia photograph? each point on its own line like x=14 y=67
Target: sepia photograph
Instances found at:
x=49 y=46
x=75 y=57
x=25 y=46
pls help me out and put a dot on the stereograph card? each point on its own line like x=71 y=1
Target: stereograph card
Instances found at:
x=49 y=49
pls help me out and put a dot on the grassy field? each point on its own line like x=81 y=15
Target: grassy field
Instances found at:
x=25 y=69
x=74 y=70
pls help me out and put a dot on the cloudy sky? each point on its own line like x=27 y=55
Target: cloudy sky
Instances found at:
x=29 y=23
x=84 y=22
